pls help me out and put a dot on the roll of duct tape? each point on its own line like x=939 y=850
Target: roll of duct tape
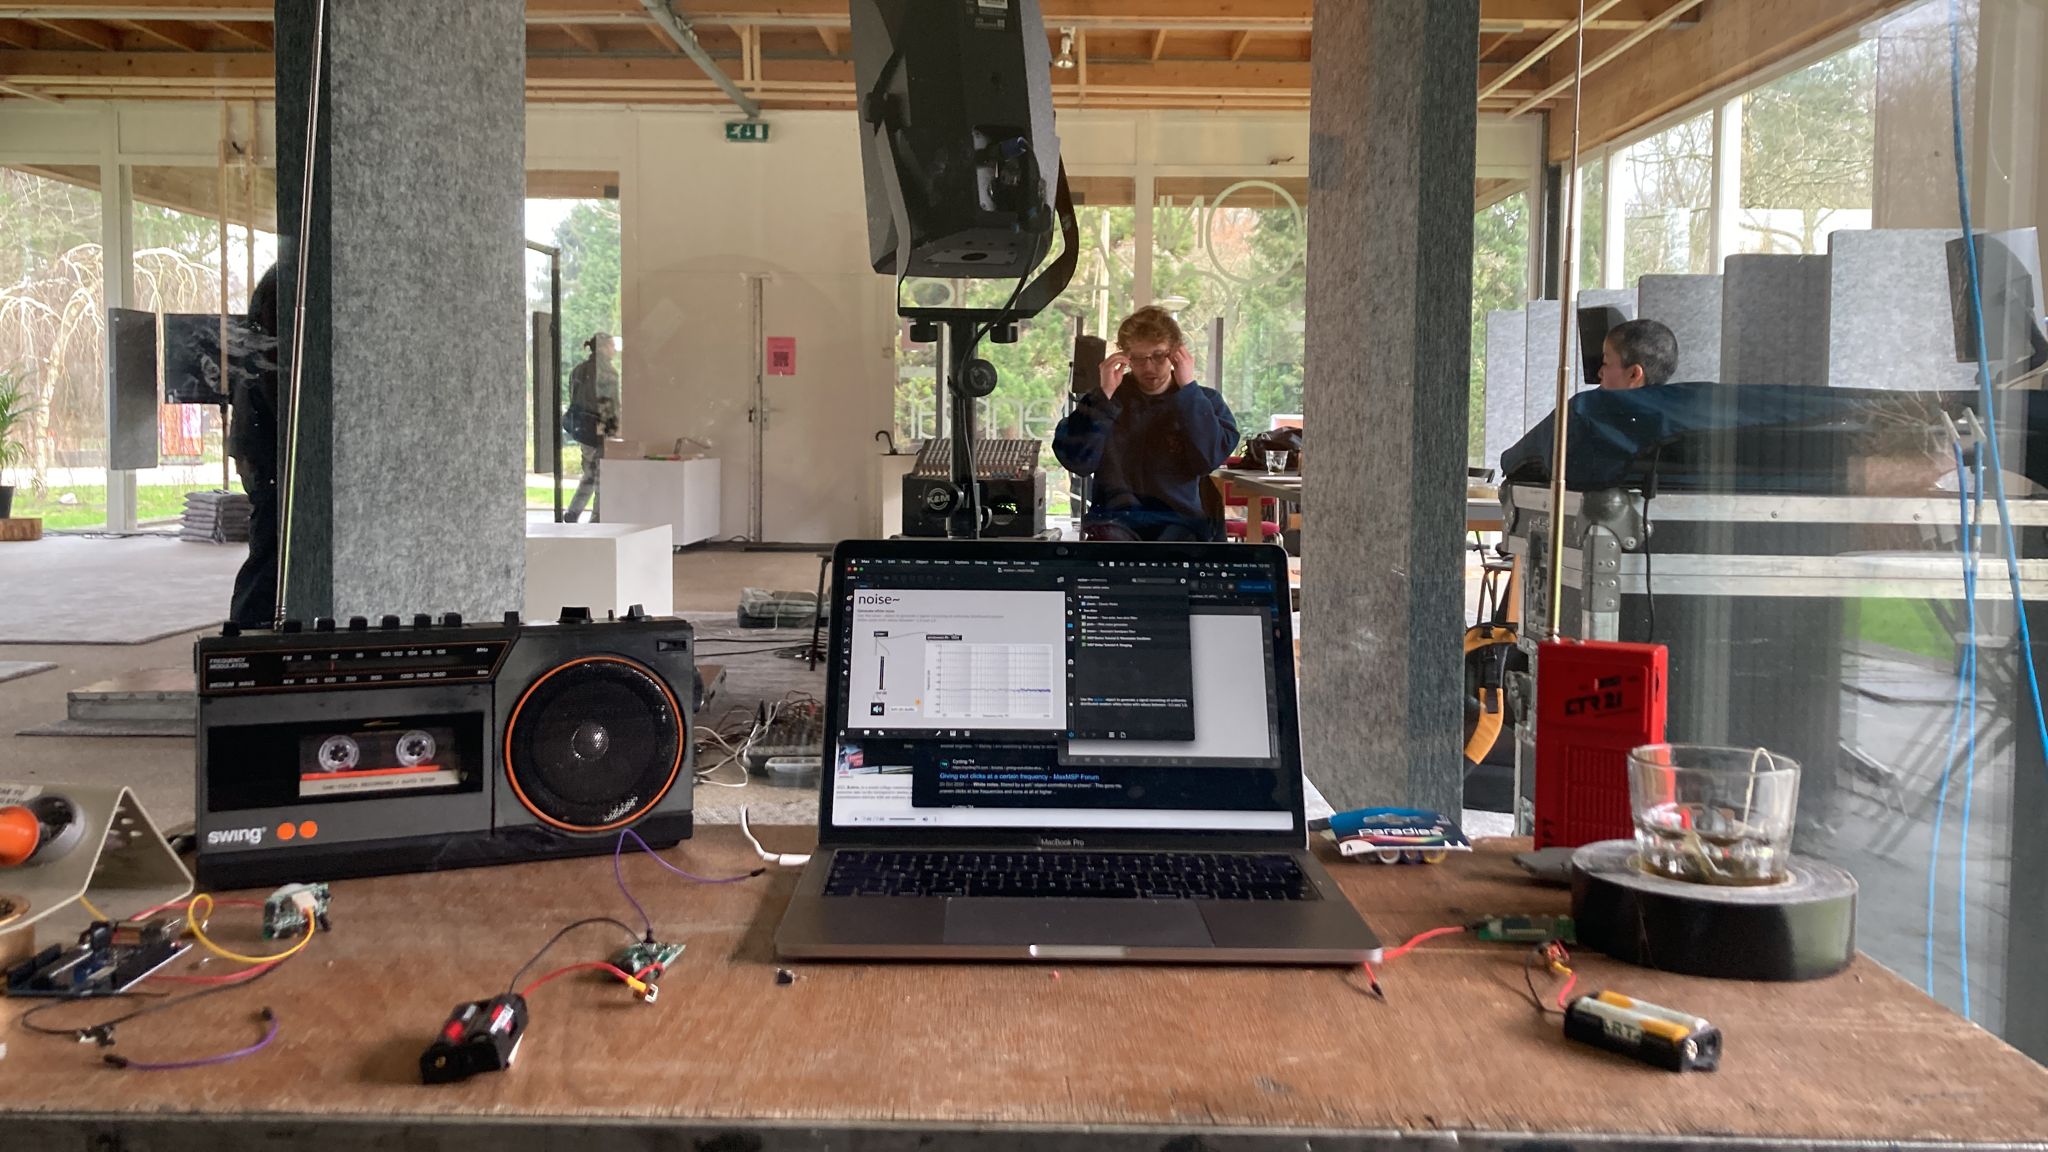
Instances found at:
x=1800 y=929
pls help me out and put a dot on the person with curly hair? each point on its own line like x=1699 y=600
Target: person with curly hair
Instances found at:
x=1148 y=433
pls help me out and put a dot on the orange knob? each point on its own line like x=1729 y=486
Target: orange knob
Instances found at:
x=20 y=834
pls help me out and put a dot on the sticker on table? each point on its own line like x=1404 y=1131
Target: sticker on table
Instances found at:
x=782 y=356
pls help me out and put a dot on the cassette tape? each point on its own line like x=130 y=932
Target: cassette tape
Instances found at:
x=384 y=759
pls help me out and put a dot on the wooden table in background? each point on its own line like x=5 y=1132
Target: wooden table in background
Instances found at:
x=883 y=1056
x=1482 y=503
x=1257 y=488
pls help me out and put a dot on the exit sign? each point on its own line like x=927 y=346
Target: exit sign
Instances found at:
x=746 y=132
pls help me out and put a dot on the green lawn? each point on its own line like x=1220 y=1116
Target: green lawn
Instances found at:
x=152 y=502
x=1906 y=625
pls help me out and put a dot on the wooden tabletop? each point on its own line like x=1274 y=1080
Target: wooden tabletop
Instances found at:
x=874 y=1055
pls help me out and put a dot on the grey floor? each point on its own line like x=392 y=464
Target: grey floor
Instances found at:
x=92 y=590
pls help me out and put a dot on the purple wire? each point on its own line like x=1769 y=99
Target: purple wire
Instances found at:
x=269 y=1035
x=619 y=875
x=678 y=871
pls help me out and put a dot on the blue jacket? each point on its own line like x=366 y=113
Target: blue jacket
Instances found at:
x=1147 y=454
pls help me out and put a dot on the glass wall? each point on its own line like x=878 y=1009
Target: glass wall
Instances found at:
x=1500 y=282
x=1667 y=188
x=584 y=229
x=186 y=222
x=1235 y=252
x=52 y=337
x=1809 y=150
x=1838 y=531
x=1592 y=224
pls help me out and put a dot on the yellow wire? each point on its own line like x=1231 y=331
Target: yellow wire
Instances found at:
x=96 y=913
x=194 y=917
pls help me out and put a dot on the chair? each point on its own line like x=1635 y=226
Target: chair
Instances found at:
x=1215 y=503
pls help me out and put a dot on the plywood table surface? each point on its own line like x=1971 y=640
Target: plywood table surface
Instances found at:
x=899 y=1055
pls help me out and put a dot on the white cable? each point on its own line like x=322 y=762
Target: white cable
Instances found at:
x=786 y=859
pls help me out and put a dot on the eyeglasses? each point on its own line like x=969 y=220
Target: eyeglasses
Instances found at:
x=1159 y=359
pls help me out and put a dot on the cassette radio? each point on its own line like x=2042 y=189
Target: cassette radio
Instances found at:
x=359 y=750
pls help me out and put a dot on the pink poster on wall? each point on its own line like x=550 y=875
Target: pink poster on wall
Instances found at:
x=782 y=356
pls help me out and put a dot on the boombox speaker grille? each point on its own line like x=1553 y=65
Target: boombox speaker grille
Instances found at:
x=594 y=744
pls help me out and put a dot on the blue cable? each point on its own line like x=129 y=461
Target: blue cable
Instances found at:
x=1986 y=399
x=2012 y=565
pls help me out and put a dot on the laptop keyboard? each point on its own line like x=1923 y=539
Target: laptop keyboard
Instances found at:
x=1104 y=875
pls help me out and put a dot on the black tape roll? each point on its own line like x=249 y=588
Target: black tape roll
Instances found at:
x=1801 y=929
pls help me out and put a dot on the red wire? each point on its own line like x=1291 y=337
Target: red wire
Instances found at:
x=1419 y=938
x=1565 y=992
x=230 y=978
x=183 y=905
x=614 y=969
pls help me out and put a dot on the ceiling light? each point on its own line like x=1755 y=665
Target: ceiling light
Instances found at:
x=1066 y=57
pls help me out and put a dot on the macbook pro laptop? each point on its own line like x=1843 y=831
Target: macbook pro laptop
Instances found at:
x=1064 y=752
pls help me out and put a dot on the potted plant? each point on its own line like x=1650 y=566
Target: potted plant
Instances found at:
x=14 y=410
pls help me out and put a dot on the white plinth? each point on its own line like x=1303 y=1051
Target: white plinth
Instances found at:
x=603 y=567
x=890 y=471
x=682 y=494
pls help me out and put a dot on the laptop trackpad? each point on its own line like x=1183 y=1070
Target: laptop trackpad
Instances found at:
x=1034 y=920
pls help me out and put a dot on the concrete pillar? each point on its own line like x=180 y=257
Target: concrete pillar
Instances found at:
x=1392 y=125
x=409 y=493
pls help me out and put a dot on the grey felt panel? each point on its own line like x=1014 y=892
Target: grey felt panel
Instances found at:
x=1541 y=359
x=1691 y=307
x=1507 y=382
x=1889 y=311
x=428 y=190
x=1391 y=160
x=1774 y=320
x=1622 y=298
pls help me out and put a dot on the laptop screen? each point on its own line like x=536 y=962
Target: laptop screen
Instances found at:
x=1034 y=686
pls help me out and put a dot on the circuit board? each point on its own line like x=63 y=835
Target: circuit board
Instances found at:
x=106 y=960
x=638 y=958
x=284 y=915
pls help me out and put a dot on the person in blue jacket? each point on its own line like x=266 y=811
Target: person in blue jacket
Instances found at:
x=1148 y=434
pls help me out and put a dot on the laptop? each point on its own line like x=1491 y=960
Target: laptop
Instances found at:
x=1064 y=752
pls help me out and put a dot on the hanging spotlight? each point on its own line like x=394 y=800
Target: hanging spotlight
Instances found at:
x=1066 y=57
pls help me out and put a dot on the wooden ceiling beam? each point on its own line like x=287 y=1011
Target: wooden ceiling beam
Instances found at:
x=1595 y=63
x=583 y=36
x=1238 y=42
x=182 y=11
x=44 y=69
x=28 y=94
x=1729 y=44
x=84 y=32
x=186 y=37
x=1550 y=44
x=1496 y=16
x=254 y=35
x=1158 y=43
x=17 y=35
x=831 y=38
